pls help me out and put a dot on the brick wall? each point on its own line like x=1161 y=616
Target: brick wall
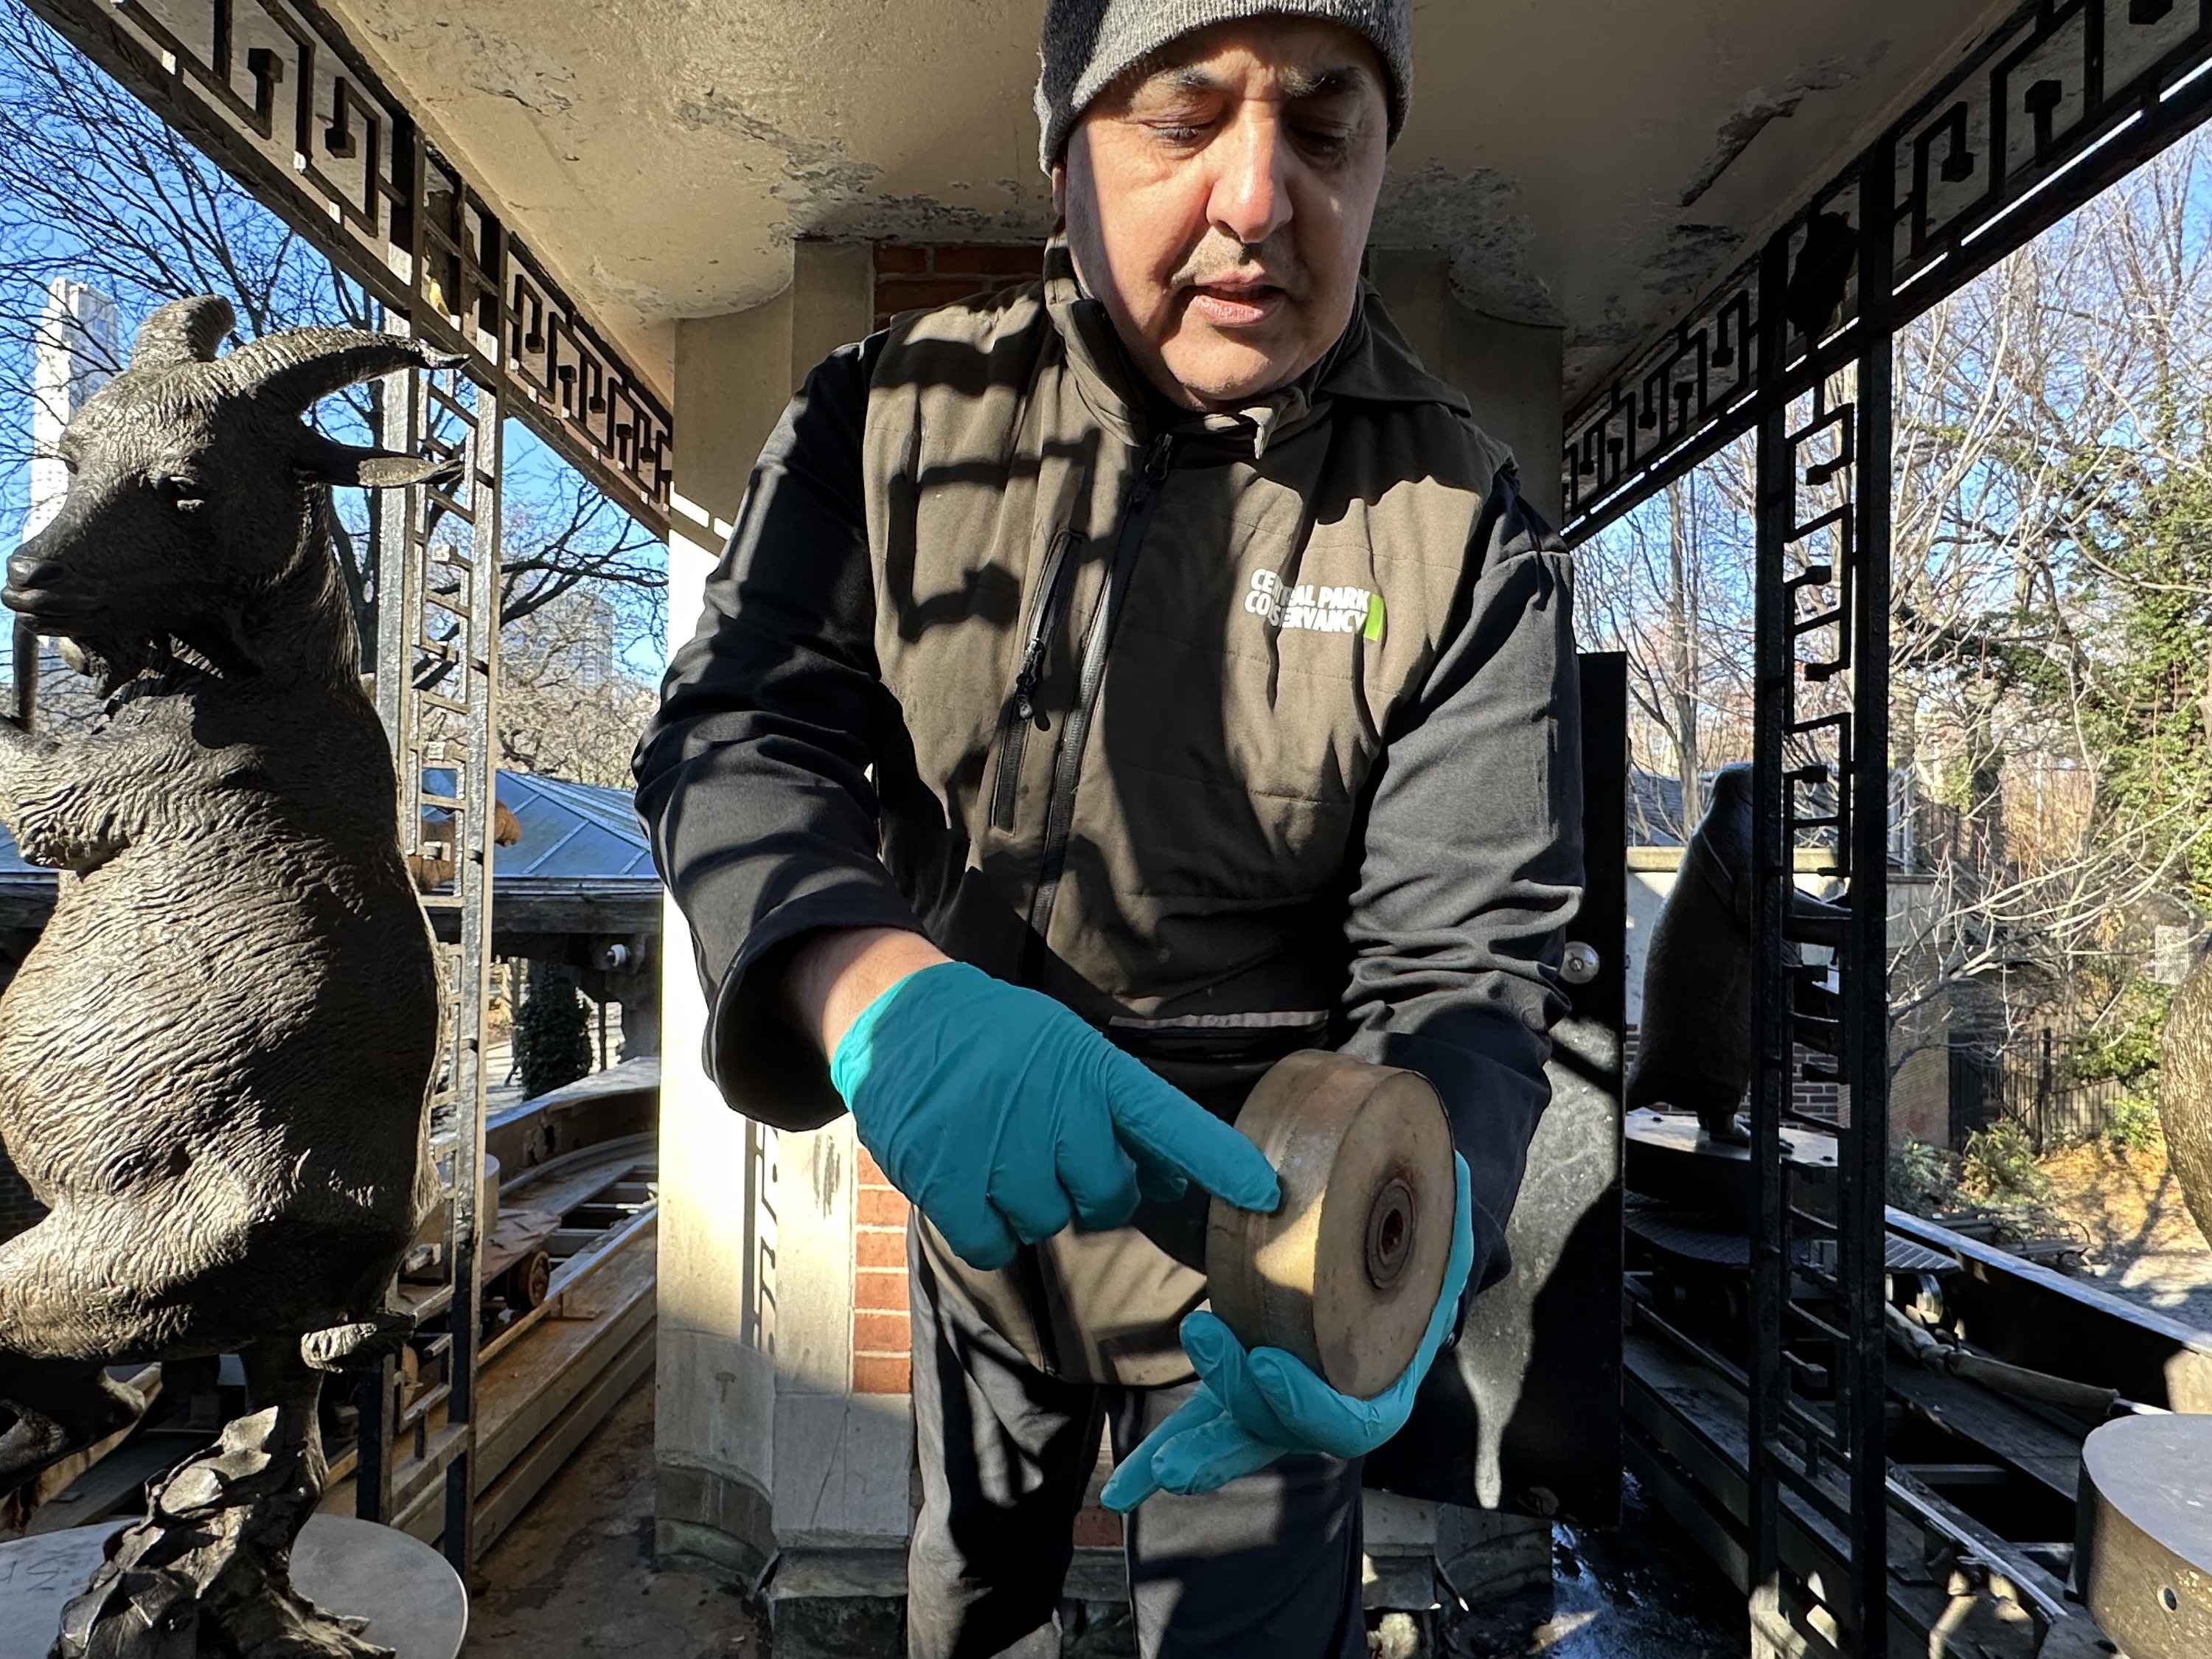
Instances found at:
x=882 y=1339
x=881 y=1344
x=1818 y=1100
x=911 y=276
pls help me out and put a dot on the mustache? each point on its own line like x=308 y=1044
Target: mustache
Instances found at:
x=1220 y=259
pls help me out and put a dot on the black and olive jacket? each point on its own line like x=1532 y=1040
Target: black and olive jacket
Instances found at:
x=1237 y=734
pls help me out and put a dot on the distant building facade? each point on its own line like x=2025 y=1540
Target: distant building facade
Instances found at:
x=75 y=353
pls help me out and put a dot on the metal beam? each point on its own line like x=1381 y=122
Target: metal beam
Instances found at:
x=1863 y=1139
x=274 y=92
x=1819 y=785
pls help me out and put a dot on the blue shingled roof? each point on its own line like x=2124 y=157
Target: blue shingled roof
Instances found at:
x=581 y=831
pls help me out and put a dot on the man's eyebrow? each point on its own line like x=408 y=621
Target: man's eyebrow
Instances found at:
x=1322 y=83
x=1184 y=77
x=1296 y=84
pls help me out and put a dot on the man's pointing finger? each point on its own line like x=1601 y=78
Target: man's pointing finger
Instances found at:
x=1158 y=1120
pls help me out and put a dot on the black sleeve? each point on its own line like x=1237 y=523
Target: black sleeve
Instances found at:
x=1472 y=862
x=752 y=782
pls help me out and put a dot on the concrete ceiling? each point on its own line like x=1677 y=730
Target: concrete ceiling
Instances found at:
x=1589 y=163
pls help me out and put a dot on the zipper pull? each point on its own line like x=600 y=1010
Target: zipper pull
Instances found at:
x=1025 y=697
x=1156 y=460
x=1038 y=641
x=1151 y=475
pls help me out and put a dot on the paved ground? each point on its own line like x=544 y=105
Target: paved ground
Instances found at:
x=574 y=1577
x=1640 y=1592
x=2142 y=1242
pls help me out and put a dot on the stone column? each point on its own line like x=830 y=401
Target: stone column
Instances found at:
x=713 y=1447
x=776 y=1440
x=1510 y=372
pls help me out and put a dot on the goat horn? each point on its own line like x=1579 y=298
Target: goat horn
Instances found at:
x=300 y=366
x=183 y=332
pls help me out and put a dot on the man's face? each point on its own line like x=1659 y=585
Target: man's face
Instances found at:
x=1218 y=199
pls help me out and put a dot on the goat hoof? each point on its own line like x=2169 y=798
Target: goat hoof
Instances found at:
x=364 y=1342
x=1730 y=1132
x=28 y=1448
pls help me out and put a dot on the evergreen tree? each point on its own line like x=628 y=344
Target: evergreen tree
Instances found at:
x=552 y=1033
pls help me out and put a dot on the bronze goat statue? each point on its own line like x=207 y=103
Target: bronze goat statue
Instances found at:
x=1694 y=1048
x=214 y=1064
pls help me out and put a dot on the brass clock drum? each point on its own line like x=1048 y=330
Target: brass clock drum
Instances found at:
x=1346 y=1273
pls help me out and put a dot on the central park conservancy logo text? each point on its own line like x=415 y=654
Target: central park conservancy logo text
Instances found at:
x=1315 y=606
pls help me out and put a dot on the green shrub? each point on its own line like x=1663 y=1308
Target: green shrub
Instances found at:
x=2124 y=1042
x=552 y=1033
x=2134 y=1125
x=2000 y=1167
x=1923 y=1179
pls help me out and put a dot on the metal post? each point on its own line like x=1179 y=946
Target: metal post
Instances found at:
x=2045 y=1097
x=1771 y=1031
x=1863 y=1157
x=472 y=856
x=376 y=1393
x=438 y=599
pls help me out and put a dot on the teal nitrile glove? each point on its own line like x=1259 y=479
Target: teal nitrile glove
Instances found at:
x=1004 y=1117
x=1252 y=1409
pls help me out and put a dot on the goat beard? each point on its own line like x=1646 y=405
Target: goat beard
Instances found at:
x=112 y=662
x=109 y=664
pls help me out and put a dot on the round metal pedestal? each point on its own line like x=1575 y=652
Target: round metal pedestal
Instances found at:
x=406 y=1589
x=2143 y=1556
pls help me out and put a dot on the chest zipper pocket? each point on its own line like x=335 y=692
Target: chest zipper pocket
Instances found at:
x=1023 y=710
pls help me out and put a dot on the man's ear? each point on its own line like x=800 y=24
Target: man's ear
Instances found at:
x=324 y=461
x=1060 y=191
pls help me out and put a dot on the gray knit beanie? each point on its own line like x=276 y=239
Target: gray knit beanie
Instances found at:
x=1087 y=43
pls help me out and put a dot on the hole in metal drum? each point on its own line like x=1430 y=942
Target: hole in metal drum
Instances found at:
x=1391 y=1220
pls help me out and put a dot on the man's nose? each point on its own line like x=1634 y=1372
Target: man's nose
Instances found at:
x=1251 y=193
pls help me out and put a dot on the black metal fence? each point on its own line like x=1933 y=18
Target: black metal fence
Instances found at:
x=2034 y=1089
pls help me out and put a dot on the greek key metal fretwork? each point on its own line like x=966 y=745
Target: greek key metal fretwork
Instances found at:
x=2060 y=99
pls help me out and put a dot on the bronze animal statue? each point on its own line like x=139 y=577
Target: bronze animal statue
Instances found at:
x=214 y=1063
x=432 y=868
x=1694 y=1048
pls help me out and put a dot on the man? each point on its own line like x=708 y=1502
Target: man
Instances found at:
x=1111 y=687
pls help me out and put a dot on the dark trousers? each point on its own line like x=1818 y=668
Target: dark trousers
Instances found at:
x=1269 y=1565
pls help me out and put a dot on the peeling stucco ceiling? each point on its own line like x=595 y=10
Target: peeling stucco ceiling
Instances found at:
x=1588 y=164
